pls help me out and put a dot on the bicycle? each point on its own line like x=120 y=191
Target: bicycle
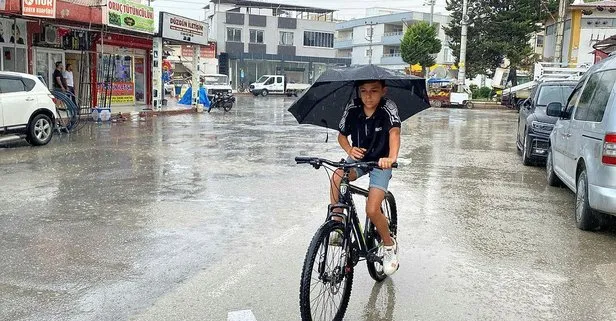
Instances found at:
x=336 y=277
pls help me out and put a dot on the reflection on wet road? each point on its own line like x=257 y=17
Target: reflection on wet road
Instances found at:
x=189 y=217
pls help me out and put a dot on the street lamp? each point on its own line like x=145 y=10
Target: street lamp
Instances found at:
x=431 y=3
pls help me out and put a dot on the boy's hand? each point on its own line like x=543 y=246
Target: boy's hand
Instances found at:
x=385 y=163
x=356 y=153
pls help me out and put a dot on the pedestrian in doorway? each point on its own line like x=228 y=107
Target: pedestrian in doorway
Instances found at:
x=59 y=83
x=70 y=83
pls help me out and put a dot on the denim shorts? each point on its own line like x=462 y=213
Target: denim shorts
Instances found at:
x=379 y=178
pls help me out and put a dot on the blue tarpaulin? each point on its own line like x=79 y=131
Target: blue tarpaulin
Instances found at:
x=187 y=98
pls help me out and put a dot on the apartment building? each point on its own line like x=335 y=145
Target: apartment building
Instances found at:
x=376 y=39
x=257 y=38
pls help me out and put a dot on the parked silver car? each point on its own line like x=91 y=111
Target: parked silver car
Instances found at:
x=583 y=145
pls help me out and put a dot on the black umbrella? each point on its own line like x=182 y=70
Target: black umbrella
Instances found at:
x=324 y=102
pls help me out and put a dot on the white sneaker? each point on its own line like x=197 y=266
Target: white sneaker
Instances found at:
x=390 y=259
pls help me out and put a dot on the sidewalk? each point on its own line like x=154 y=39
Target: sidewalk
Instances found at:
x=172 y=107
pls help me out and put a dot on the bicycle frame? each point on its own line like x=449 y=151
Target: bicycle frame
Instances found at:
x=351 y=219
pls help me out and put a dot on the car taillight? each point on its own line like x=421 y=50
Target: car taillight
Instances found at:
x=609 y=149
x=53 y=98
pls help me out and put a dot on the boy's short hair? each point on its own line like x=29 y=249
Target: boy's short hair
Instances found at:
x=368 y=81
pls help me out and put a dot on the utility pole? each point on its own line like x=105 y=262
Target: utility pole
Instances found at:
x=462 y=63
x=560 y=30
x=369 y=38
x=431 y=3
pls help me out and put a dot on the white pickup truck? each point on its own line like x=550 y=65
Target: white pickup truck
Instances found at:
x=276 y=84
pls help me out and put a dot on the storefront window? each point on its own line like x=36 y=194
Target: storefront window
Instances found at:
x=115 y=77
x=13 y=38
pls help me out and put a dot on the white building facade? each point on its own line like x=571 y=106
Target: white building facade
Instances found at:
x=377 y=39
x=257 y=38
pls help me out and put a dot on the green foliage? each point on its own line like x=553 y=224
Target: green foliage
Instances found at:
x=497 y=29
x=419 y=44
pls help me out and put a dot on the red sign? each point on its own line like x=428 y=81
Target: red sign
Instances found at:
x=39 y=8
x=208 y=51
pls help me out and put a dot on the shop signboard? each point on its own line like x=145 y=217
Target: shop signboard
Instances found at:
x=130 y=15
x=207 y=51
x=122 y=93
x=39 y=8
x=183 y=29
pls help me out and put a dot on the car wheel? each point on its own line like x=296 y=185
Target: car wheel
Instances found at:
x=585 y=218
x=264 y=92
x=469 y=104
x=526 y=160
x=553 y=180
x=40 y=130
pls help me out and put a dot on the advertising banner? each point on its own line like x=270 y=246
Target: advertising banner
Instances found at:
x=130 y=15
x=183 y=29
x=123 y=93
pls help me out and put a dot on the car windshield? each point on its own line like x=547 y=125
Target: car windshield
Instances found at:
x=262 y=79
x=216 y=80
x=552 y=94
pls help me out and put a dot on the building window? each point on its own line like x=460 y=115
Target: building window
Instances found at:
x=256 y=36
x=234 y=34
x=286 y=38
x=539 y=41
x=368 y=52
x=318 y=39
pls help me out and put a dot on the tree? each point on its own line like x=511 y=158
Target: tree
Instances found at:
x=419 y=44
x=498 y=29
x=482 y=54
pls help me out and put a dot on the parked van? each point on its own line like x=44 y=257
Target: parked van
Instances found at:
x=582 y=151
x=276 y=84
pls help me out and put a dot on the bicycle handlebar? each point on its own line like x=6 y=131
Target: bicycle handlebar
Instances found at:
x=315 y=161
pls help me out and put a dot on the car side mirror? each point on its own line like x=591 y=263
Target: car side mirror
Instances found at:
x=555 y=109
x=230 y=82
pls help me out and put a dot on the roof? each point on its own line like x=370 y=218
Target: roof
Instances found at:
x=399 y=17
x=594 y=4
x=273 y=5
x=607 y=45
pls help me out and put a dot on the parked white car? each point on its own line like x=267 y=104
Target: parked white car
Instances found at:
x=583 y=145
x=27 y=109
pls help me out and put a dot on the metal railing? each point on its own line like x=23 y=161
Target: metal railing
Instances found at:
x=392 y=34
x=395 y=54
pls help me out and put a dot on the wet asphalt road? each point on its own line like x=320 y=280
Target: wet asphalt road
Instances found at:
x=190 y=217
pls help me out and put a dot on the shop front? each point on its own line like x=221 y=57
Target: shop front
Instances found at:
x=123 y=73
x=68 y=45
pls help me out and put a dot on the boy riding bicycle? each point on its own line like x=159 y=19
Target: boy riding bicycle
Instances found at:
x=373 y=123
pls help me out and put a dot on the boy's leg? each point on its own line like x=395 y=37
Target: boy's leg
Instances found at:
x=373 y=210
x=335 y=184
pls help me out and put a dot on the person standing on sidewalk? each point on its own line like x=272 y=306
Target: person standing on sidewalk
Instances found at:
x=70 y=83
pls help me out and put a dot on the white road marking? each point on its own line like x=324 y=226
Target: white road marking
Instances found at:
x=243 y=315
x=232 y=280
x=286 y=235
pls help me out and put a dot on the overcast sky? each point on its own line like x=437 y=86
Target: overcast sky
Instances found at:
x=348 y=9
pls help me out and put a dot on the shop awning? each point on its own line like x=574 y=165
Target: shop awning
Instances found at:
x=607 y=45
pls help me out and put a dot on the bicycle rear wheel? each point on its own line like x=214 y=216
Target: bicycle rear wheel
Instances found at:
x=327 y=277
x=373 y=239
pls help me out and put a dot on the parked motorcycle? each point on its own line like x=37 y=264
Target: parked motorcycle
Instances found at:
x=222 y=100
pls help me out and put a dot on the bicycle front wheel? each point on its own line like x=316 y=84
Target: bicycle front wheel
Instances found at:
x=327 y=276
x=373 y=240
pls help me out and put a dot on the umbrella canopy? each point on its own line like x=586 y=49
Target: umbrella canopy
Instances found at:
x=324 y=102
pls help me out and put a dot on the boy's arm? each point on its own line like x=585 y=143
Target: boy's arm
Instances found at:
x=356 y=153
x=394 y=148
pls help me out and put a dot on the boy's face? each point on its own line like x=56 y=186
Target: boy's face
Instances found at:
x=371 y=94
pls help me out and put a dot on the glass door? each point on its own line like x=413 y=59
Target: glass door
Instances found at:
x=46 y=64
x=140 y=79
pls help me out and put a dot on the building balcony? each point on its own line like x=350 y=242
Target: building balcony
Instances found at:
x=343 y=43
x=392 y=59
x=392 y=38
